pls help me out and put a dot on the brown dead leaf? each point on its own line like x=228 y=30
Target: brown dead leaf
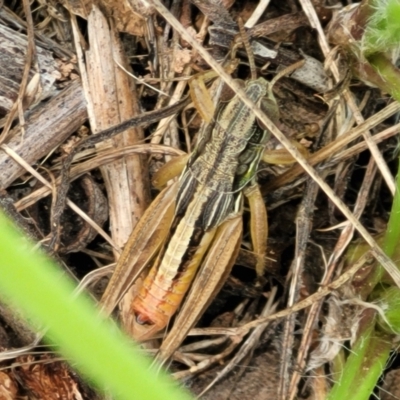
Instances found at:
x=8 y=388
x=182 y=57
x=390 y=389
x=65 y=68
x=47 y=380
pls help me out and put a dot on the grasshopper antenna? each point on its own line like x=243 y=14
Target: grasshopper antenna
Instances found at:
x=287 y=71
x=247 y=46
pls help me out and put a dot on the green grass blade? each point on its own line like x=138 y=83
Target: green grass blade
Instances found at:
x=363 y=367
x=31 y=282
x=370 y=353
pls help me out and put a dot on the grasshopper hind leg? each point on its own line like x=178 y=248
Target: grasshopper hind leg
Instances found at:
x=258 y=225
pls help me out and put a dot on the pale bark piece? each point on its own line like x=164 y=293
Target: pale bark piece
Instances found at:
x=13 y=47
x=111 y=101
x=129 y=15
x=46 y=127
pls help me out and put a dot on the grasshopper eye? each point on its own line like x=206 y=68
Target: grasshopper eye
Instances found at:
x=228 y=94
x=270 y=108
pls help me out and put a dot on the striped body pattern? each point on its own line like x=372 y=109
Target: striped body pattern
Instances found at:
x=210 y=190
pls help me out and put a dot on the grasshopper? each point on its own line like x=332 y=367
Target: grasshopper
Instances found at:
x=194 y=227
x=197 y=221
